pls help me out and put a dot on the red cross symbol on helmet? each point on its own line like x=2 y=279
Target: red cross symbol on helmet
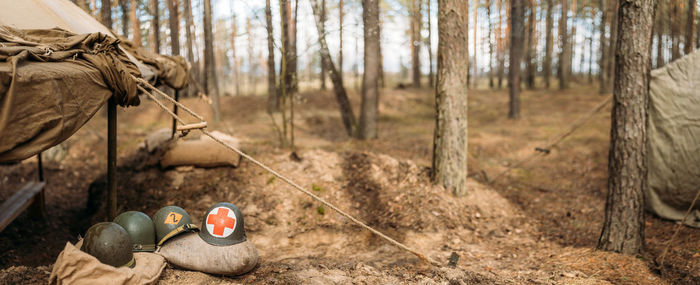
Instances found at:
x=221 y=222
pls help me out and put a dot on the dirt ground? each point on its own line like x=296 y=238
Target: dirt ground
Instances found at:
x=536 y=224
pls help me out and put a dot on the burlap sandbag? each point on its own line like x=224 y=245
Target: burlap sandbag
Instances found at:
x=189 y=251
x=674 y=140
x=74 y=266
x=202 y=152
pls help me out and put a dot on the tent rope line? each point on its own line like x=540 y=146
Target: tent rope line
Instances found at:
x=678 y=228
x=542 y=151
x=275 y=173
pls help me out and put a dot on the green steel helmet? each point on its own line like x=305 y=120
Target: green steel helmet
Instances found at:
x=223 y=225
x=110 y=244
x=171 y=221
x=140 y=229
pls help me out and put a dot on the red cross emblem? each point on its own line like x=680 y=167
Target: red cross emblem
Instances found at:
x=220 y=222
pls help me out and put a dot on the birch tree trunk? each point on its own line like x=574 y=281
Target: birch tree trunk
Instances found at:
x=341 y=95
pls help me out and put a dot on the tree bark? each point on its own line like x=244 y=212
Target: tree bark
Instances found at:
x=189 y=38
x=341 y=4
x=474 y=61
x=106 y=13
x=675 y=30
x=135 y=23
x=612 y=46
x=690 y=27
x=660 y=30
x=549 y=45
x=623 y=229
x=251 y=58
x=530 y=61
x=340 y=94
x=234 y=55
x=272 y=98
x=174 y=21
x=564 y=61
x=156 y=26
x=449 y=163
x=516 y=51
x=124 y=6
x=500 y=45
x=490 y=28
x=429 y=43
x=416 y=17
x=323 y=65
x=370 y=84
x=603 y=63
x=210 y=87
x=292 y=64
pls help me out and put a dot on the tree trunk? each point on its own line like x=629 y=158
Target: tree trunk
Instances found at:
x=382 y=82
x=530 y=61
x=292 y=64
x=323 y=26
x=612 y=46
x=370 y=84
x=429 y=43
x=675 y=30
x=252 y=88
x=564 y=61
x=187 y=12
x=490 y=28
x=449 y=164
x=234 y=55
x=660 y=29
x=124 y=6
x=135 y=23
x=690 y=27
x=272 y=98
x=341 y=4
x=516 y=51
x=156 y=26
x=174 y=21
x=416 y=17
x=603 y=63
x=623 y=229
x=210 y=85
x=549 y=45
x=500 y=45
x=340 y=94
x=474 y=62
x=106 y=13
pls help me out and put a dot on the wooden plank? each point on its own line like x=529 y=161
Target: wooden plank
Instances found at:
x=18 y=202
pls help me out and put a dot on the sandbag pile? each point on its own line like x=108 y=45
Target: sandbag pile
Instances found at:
x=133 y=248
x=200 y=152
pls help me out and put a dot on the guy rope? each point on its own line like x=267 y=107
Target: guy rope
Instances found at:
x=185 y=128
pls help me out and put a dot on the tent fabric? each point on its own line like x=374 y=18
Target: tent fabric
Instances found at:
x=172 y=71
x=673 y=149
x=52 y=82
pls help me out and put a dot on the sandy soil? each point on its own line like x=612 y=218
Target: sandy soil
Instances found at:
x=537 y=224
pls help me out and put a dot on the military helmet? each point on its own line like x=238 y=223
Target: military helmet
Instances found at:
x=171 y=221
x=110 y=244
x=223 y=225
x=140 y=229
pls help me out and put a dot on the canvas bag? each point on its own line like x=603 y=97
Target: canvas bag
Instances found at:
x=74 y=266
x=189 y=251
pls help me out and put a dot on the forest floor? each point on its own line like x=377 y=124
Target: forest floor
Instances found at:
x=537 y=224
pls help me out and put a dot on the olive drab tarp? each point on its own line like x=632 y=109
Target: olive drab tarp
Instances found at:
x=58 y=66
x=674 y=140
x=52 y=82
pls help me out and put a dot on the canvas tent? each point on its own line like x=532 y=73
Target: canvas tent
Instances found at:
x=58 y=66
x=674 y=140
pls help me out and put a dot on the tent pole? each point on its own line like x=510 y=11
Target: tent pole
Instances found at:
x=112 y=157
x=177 y=96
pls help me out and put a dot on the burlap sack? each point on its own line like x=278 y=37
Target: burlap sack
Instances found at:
x=202 y=152
x=74 y=266
x=189 y=251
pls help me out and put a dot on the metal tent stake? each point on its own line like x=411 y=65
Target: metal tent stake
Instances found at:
x=112 y=157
